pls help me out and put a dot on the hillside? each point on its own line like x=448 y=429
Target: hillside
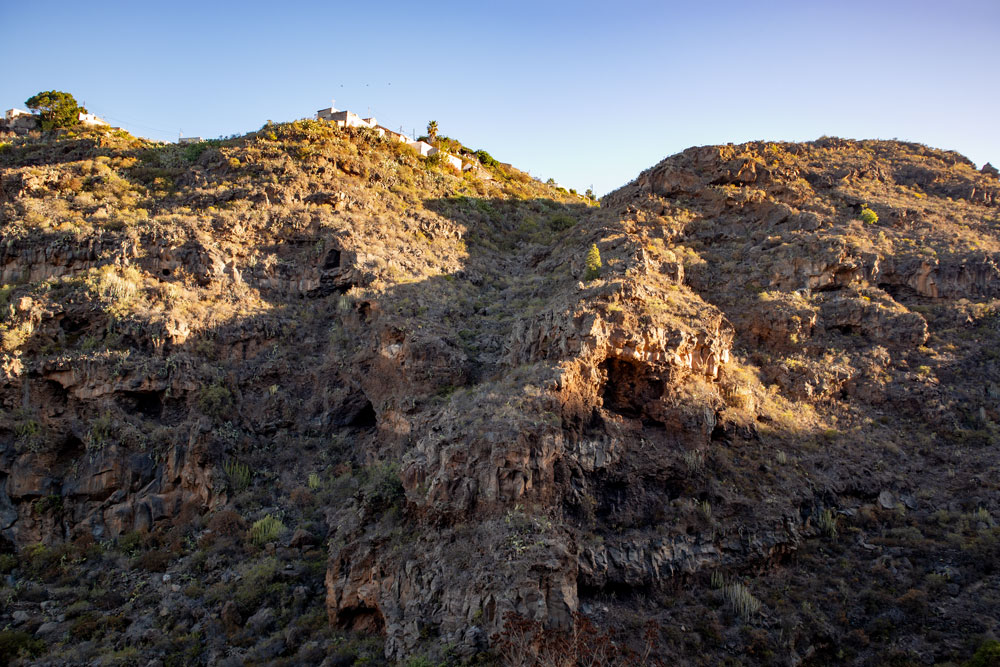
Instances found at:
x=303 y=395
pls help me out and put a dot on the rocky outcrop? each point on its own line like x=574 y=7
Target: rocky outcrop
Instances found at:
x=447 y=419
x=34 y=260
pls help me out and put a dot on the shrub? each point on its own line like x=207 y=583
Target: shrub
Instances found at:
x=486 y=159
x=7 y=563
x=741 y=600
x=381 y=485
x=15 y=643
x=593 y=263
x=100 y=431
x=828 y=523
x=215 y=401
x=227 y=523
x=314 y=481
x=239 y=474
x=193 y=151
x=561 y=222
x=988 y=655
x=258 y=582
x=52 y=504
x=153 y=561
x=266 y=530
x=302 y=496
x=85 y=626
x=113 y=287
x=868 y=216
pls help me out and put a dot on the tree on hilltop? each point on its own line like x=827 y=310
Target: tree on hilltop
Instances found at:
x=432 y=130
x=57 y=109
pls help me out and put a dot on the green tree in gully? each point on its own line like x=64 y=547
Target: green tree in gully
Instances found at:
x=57 y=109
x=593 y=264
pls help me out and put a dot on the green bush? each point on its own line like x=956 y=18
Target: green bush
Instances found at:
x=486 y=159
x=868 y=216
x=256 y=584
x=215 y=401
x=593 y=264
x=988 y=655
x=314 y=481
x=7 y=563
x=239 y=474
x=193 y=151
x=381 y=485
x=561 y=222
x=15 y=643
x=101 y=429
x=741 y=600
x=828 y=523
x=266 y=530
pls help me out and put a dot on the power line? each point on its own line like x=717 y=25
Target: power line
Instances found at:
x=128 y=122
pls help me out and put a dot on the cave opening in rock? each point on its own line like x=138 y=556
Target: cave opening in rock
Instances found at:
x=365 y=418
x=365 y=620
x=72 y=325
x=70 y=450
x=616 y=590
x=612 y=497
x=332 y=260
x=719 y=433
x=629 y=387
x=53 y=396
x=149 y=404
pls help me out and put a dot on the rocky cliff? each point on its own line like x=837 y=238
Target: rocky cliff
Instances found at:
x=303 y=396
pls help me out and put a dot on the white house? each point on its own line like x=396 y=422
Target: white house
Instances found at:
x=396 y=136
x=11 y=114
x=455 y=162
x=345 y=118
x=91 y=119
x=422 y=147
x=19 y=121
x=189 y=140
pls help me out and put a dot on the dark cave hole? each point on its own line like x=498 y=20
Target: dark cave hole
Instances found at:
x=611 y=496
x=719 y=433
x=628 y=388
x=70 y=450
x=845 y=329
x=332 y=260
x=147 y=403
x=365 y=311
x=362 y=619
x=54 y=394
x=165 y=272
x=365 y=417
x=72 y=325
x=614 y=590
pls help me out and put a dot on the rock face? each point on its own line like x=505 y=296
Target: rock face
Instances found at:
x=314 y=353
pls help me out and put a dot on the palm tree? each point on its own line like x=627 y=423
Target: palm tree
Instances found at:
x=432 y=130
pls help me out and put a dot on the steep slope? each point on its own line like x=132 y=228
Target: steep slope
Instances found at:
x=766 y=432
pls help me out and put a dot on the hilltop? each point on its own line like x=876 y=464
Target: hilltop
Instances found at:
x=304 y=395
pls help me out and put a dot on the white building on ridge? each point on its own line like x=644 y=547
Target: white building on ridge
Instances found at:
x=350 y=119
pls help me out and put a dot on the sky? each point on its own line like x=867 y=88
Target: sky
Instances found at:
x=586 y=93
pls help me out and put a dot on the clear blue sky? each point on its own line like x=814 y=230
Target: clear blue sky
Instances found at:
x=588 y=93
